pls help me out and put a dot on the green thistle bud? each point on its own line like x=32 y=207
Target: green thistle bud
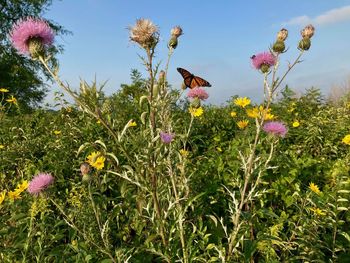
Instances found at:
x=279 y=46
x=196 y=103
x=173 y=42
x=155 y=90
x=86 y=178
x=264 y=68
x=36 y=47
x=107 y=107
x=305 y=43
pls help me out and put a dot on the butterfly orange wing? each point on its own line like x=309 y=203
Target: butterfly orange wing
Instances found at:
x=191 y=80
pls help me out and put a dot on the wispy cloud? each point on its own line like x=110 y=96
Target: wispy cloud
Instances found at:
x=330 y=17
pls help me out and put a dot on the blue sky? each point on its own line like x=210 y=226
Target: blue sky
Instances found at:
x=219 y=38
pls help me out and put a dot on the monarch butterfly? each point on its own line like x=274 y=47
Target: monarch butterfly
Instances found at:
x=191 y=80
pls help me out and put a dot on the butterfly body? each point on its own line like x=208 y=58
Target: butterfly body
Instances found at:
x=191 y=81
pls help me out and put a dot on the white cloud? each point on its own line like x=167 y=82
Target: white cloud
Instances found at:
x=330 y=17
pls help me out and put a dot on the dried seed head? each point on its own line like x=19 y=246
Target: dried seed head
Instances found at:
x=145 y=33
x=282 y=34
x=176 y=31
x=308 y=31
x=84 y=168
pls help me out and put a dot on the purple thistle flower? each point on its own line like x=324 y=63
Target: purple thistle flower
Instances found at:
x=39 y=183
x=198 y=92
x=263 y=59
x=166 y=137
x=275 y=128
x=30 y=28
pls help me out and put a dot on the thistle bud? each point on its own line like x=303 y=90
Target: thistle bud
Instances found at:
x=264 y=68
x=161 y=77
x=196 y=103
x=305 y=43
x=86 y=178
x=36 y=47
x=175 y=33
x=279 y=46
x=155 y=90
x=173 y=42
x=308 y=31
x=282 y=34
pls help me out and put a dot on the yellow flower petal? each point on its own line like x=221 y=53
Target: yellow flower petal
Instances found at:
x=242 y=124
x=314 y=188
x=196 y=112
x=242 y=102
x=233 y=114
x=296 y=124
x=346 y=139
x=4 y=90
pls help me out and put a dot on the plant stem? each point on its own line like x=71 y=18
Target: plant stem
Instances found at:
x=72 y=225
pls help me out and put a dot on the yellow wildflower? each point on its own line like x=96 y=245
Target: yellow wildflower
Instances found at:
x=2 y=197
x=242 y=102
x=266 y=114
x=346 y=139
x=253 y=113
x=56 y=132
x=12 y=100
x=92 y=157
x=4 y=90
x=317 y=211
x=23 y=186
x=2 y=146
x=132 y=124
x=184 y=152
x=98 y=122
x=219 y=149
x=233 y=114
x=99 y=163
x=14 y=195
x=296 y=124
x=196 y=112
x=242 y=124
x=314 y=188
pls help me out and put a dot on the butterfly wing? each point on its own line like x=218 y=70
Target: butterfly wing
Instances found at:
x=192 y=81
x=188 y=77
x=199 y=82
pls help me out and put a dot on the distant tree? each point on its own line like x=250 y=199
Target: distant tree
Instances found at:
x=22 y=76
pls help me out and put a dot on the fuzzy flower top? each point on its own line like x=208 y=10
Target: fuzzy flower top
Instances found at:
x=166 y=137
x=39 y=183
x=30 y=28
x=264 y=58
x=144 y=32
x=198 y=92
x=275 y=128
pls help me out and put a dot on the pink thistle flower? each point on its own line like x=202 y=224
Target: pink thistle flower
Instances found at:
x=166 y=137
x=30 y=28
x=275 y=128
x=263 y=61
x=198 y=92
x=39 y=183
